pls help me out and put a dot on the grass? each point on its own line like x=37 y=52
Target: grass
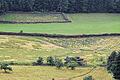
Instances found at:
x=31 y=17
x=25 y=50
x=47 y=73
x=95 y=51
x=91 y=23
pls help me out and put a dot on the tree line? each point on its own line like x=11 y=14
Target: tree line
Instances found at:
x=68 y=6
x=69 y=62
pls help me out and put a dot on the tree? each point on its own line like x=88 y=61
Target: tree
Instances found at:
x=27 y=5
x=110 y=60
x=68 y=6
x=76 y=59
x=50 y=61
x=5 y=67
x=79 y=61
x=62 y=6
x=58 y=63
x=88 y=78
x=114 y=64
x=3 y=6
x=39 y=61
x=67 y=60
x=72 y=65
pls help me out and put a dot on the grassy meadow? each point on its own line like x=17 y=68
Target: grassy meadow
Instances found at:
x=89 y=23
x=25 y=50
x=47 y=73
x=22 y=51
x=31 y=17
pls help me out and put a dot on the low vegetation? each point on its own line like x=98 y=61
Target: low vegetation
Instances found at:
x=48 y=73
x=32 y=17
x=91 y=23
x=26 y=50
x=5 y=67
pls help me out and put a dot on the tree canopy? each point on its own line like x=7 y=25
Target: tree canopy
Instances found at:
x=68 y=6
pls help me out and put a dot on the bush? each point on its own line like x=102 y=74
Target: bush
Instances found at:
x=76 y=59
x=5 y=67
x=39 y=61
x=58 y=63
x=51 y=61
x=88 y=78
x=21 y=31
x=67 y=60
x=72 y=65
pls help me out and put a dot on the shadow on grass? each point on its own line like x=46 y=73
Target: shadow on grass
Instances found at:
x=6 y=72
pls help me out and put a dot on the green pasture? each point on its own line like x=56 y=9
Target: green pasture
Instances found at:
x=82 y=23
x=31 y=17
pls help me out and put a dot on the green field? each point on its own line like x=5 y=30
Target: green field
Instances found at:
x=81 y=24
x=31 y=17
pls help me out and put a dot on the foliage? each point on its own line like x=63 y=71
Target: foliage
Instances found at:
x=39 y=61
x=72 y=65
x=61 y=5
x=5 y=67
x=88 y=78
x=58 y=63
x=51 y=61
x=110 y=61
x=116 y=67
x=76 y=59
x=113 y=65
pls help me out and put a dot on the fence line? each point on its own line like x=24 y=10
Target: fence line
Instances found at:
x=59 y=35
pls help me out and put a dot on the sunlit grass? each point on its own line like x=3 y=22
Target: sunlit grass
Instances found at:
x=81 y=24
x=47 y=73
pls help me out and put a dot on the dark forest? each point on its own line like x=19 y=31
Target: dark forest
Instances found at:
x=67 y=6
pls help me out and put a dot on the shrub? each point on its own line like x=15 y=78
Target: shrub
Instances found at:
x=76 y=59
x=72 y=65
x=21 y=31
x=51 y=61
x=67 y=60
x=88 y=78
x=5 y=67
x=58 y=63
x=39 y=61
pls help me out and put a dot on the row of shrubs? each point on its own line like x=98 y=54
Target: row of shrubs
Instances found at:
x=21 y=33
x=69 y=62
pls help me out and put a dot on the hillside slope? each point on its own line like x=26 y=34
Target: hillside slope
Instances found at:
x=26 y=49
